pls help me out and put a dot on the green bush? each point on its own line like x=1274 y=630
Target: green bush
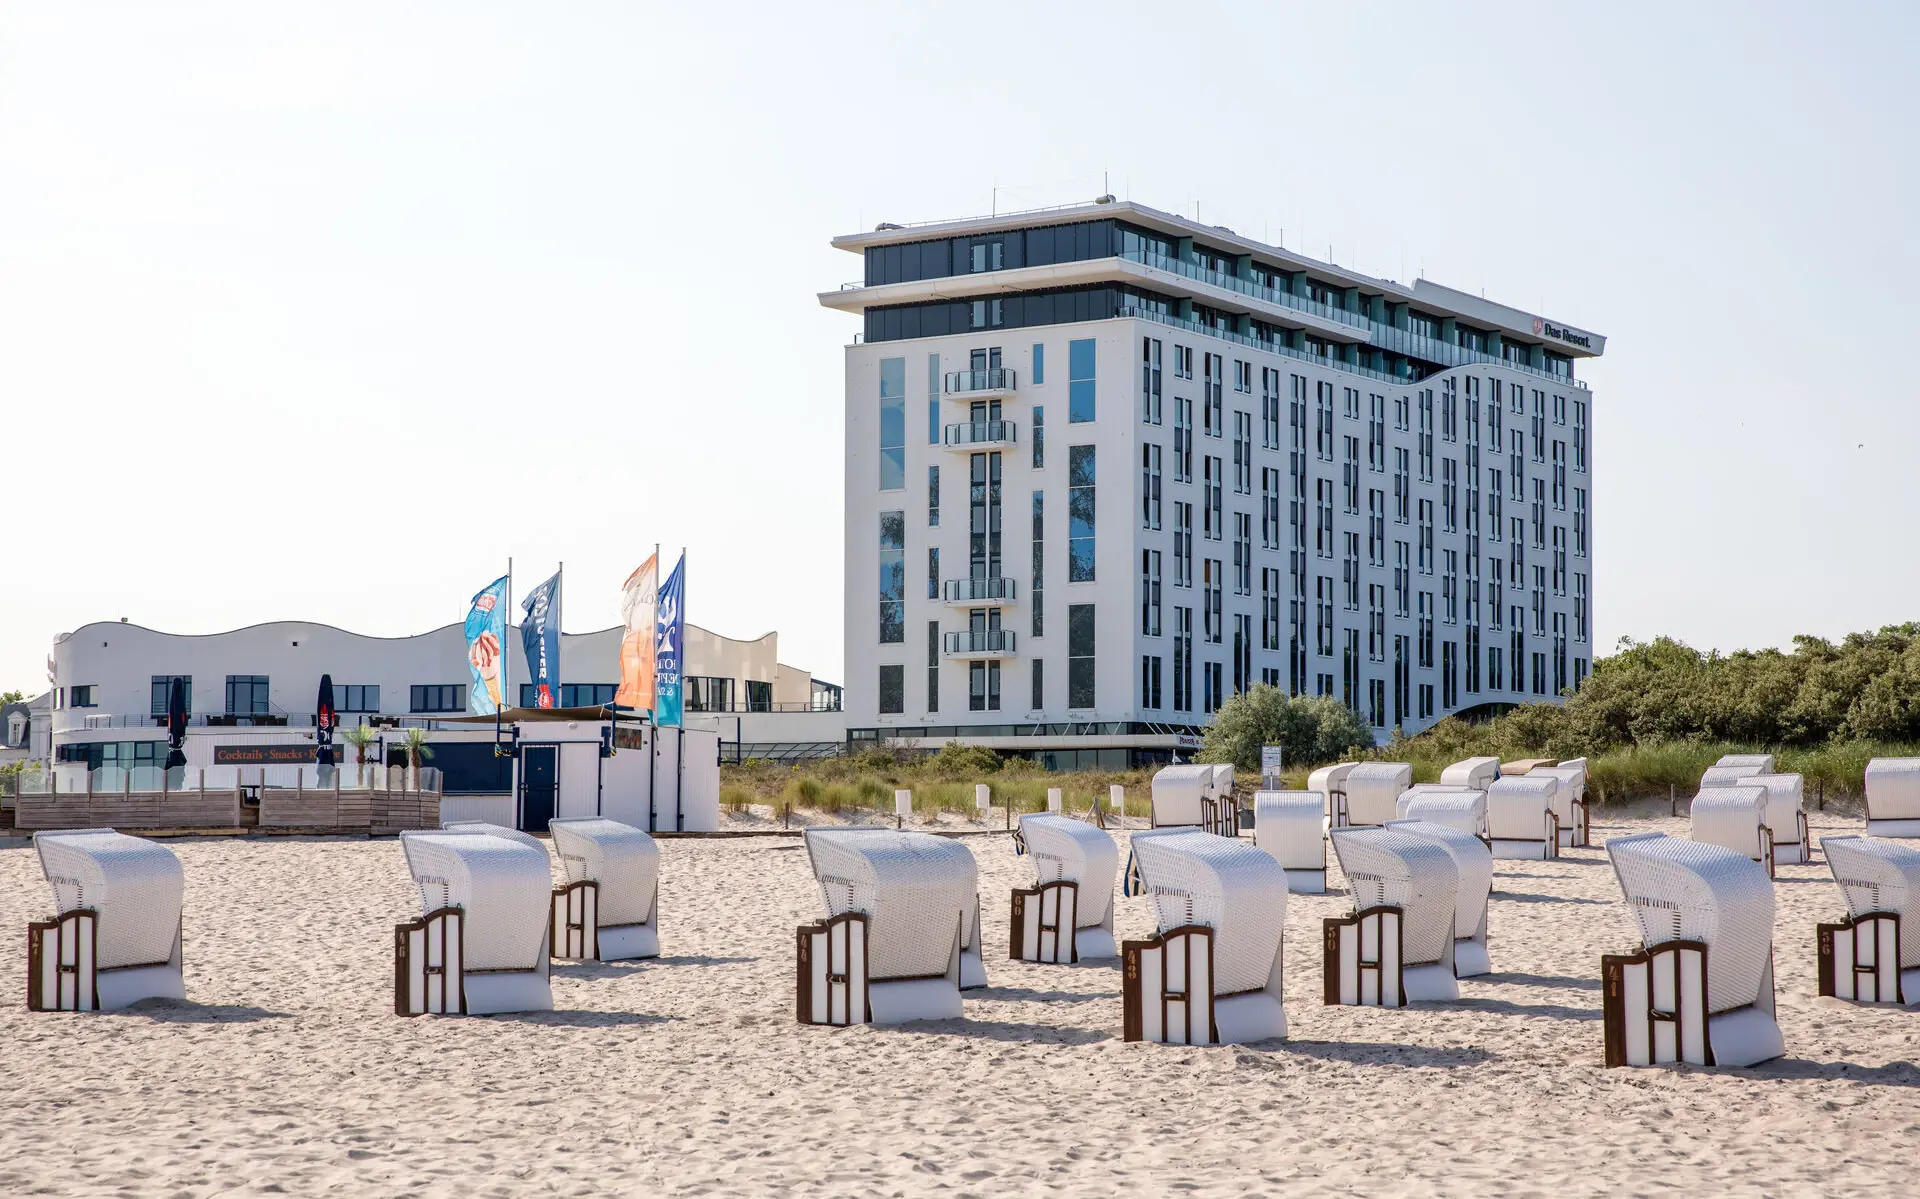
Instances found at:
x=1308 y=729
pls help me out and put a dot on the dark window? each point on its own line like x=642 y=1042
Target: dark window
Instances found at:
x=246 y=695
x=1039 y=685
x=893 y=690
x=708 y=694
x=162 y=689
x=80 y=697
x=356 y=698
x=430 y=697
x=1080 y=513
x=572 y=695
x=759 y=696
x=1080 y=689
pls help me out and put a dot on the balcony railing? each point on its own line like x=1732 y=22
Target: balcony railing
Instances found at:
x=980 y=432
x=980 y=643
x=1247 y=287
x=998 y=378
x=972 y=591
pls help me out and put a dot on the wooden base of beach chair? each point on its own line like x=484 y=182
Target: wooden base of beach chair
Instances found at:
x=1363 y=958
x=1043 y=924
x=576 y=921
x=1654 y=1006
x=60 y=964
x=832 y=974
x=429 y=965
x=1167 y=988
x=1860 y=960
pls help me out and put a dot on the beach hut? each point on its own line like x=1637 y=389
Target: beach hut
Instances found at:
x=1521 y=819
x=480 y=945
x=1893 y=797
x=901 y=938
x=1474 y=861
x=1471 y=773
x=1700 y=987
x=1733 y=818
x=1213 y=974
x=1873 y=954
x=1396 y=945
x=607 y=910
x=1068 y=913
x=115 y=935
x=1454 y=807
x=1291 y=825
x=1373 y=793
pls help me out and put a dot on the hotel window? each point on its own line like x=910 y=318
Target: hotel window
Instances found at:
x=1036 y=589
x=1350 y=475
x=1183 y=659
x=1560 y=476
x=1402 y=486
x=1559 y=410
x=1425 y=530
x=1449 y=495
x=1376 y=622
x=1211 y=389
x=1080 y=398
x=985 y=314
x=708 y=694
x=1539 y=513
x=893 y=424
x=162 y=690
x=893 y=690
x=933 y=572
x=447 y=697
x=247 y=696
x=1559 y=560
x=1450 y=586
x=1376 y=527
x=1149 y=682
x=1402 y=579
x=1377 y=703
x=986 y=255
x=1039 y=436
x=1449 y=407
x=1269 y=409
x=933 y=399
x=1243 y=377
x=82 y=697
x=1150 y=380
x=1182 y=362
x=1580 y=435
x=1150 y=510
x=1038 y=684
x=1323 y=518
x=1211 y=489
x=1242 y=652
x=1425 y=437
x=1210 y=673
x=1080 y=513
x=1269 y=508
x=1539 y=426
x=1242 y=554
x=1473 y=660
x=1182 y=440
x=1323 y=422
x=1377 y=433
x=1323 y=615
x=1580 y=522
x=1243 y=453
x=1350 y=572
x=1270 y=609
x=1080 y=689
x=1150 y=593
x=1182 y=544
x=1579 y=607
x=357 y=698
x=893 y=578
x=1039 y=364
x=983 y=686
x=1401 y=410
x=933 y=667
x=1212 y=586
x=933 y=497
x=1426 y=630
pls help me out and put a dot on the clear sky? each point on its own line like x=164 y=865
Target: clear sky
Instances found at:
x=323 y=311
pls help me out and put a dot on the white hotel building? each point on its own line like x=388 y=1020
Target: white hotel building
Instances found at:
x=1107 y=466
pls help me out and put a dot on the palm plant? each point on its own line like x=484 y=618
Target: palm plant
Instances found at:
x=360 y=736
x=417 y=750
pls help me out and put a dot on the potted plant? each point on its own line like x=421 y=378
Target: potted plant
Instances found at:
x=417 y=751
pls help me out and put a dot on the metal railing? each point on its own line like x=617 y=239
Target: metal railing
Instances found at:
x=1246 y=287
x=996 y=378
x=980 y=432
x=1271 y=347
x=983 y=641
x=963 y=591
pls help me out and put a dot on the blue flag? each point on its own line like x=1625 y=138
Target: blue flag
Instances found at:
x=670 y=629
x=486 y=648
x=540 y=637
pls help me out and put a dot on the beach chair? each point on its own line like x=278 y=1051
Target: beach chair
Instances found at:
x=1521 y=766
x=115 y=935
x=1213 y=974
x=495 y=830
x=1372 y=794
x=1733 y=818
x=1873 y=954
x=607 y=910
x=1074 y=867
x=1522 y=820
x=1291 y=825
x=1700 y=987
x=481 y=944
x=1474 y=861
x=901 y=938
x=1396 y=946
x=1472 y=773
x=1188 y=796
x=1454 y=807
x=1893 y=797
x=1764 y=762
x=1786 y=818
x=1569 y=801
x=1728 y=776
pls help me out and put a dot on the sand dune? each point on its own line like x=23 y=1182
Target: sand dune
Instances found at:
x=688 y=1075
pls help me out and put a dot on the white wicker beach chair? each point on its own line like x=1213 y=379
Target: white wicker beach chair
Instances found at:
x=608 y=909
x=1452 y=806
x=1213 y=974
x=1189 y=796
x=480 y=945
x=1893 y=797
x=496 y=830
x=1728 y=776
x=1372 y=794
x=1700 y=989
x=1873 y=955
x=1396 y=946
x=1733 y=818
x=1292 y=826
x=1471 y=773
x=1522 y=817
x=1074 y=867
x=1474 y=861
x=1330 y=783
x=1785 y=816
x=115 y=935
x=1569 y=801
x=1763 y=761
x=902 y=935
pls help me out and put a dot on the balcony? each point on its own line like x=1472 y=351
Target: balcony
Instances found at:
x=980 y=435
x=979 y=593
x=986 y=643
x=995 y=383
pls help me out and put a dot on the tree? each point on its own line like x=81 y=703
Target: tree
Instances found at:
x=13 y=697
x=1308 y=729
x=360 y=736
x=417 y=749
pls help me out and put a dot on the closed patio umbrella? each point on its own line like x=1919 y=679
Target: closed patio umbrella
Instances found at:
x=177 y=724
x=324 y=719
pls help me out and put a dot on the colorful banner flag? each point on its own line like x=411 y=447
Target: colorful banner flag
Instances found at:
x=671 y=625
x=540 y=637
x=639 y=596
x=486 y=640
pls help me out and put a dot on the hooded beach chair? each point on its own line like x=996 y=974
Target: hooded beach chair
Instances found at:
x=480 y=945
x=1396 y=945
x=1213 y=974
x=1733 y=818
x=115 y=935
x=1522 y=818
x=1291 y=825
x=1763 y=761
x=1873 y=955
x=1188 y=795
x=1785 y=816
x=1893 y=797
x=1728 y=776
x=1373 y=794
x=1068 y=913
x=1700 y=987
x=1472 y=773
x=1474 y=861
x=902 y=935
x=1455 y=807
x=1569 y=801
x=607 y=910
x=1330 y=783
x=496 y=830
